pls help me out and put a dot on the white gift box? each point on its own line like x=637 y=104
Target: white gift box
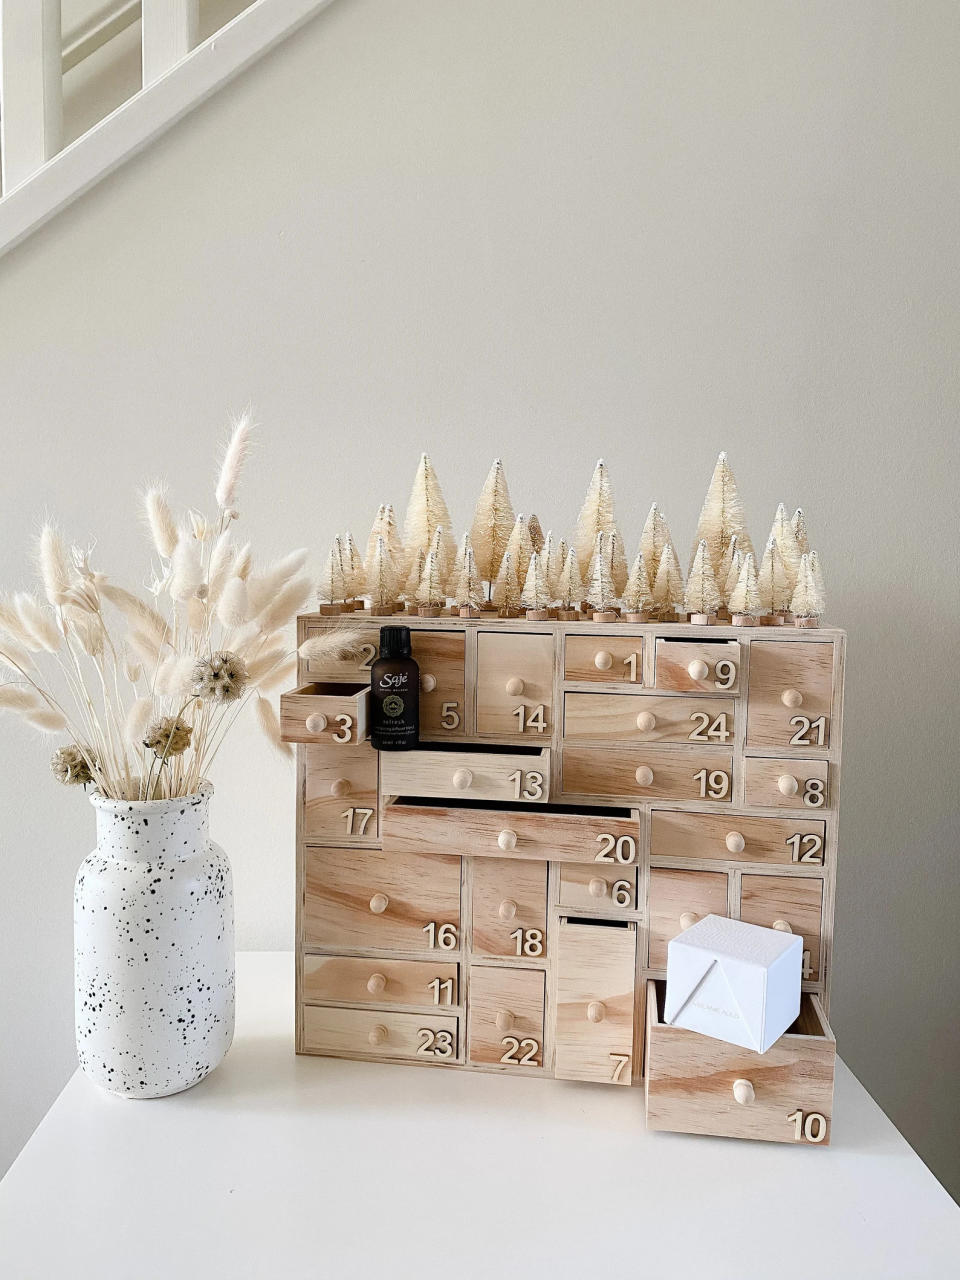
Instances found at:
x=734 y=981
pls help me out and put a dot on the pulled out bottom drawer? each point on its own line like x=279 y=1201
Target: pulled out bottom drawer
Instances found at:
x=375 y=1033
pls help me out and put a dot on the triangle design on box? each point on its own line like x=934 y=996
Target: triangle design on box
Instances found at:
x=714 y=995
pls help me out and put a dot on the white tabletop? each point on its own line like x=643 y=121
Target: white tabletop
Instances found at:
x=278 y=1166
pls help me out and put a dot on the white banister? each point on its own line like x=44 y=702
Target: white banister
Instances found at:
x=168 y=33
x=31 y=87
x=98 y=29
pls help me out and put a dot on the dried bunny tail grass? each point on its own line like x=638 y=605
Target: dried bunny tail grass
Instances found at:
x=243 y=562
x=14 y=656
x=145 y=646
x=234 y=457
x=221 y=567
x=88 y=629
x=340 y=644
x=196 y=615
x=187 y=572
x=38 y=628
x=280 y=675
x=174 y=675
x=163 y=528
x=46 y=719
x=233 y=607
x=19 y=698
x=270 y=725
x=137 y=719
x=132 y=670
x=285 y=604
x=137 y=612
x=260 y=667
x=263 y=588
x=54 y=565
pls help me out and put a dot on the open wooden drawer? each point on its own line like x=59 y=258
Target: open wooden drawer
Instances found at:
x=327 y=713
x=695 y=1084
x=468 y=773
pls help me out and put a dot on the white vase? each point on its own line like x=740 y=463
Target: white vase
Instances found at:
x=153 y=947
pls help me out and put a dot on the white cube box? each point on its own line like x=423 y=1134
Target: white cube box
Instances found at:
x=734 y=981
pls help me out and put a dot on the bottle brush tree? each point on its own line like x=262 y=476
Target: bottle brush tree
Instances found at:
x=721 y=516
x=601 y=593
x=468 y=588
x=744 y=601
x=385 y=526
x=493 y=522
x=786 y=540
x=426 y=511
x=332 y=587
x=729 y=569
x=520 y=547
x=569 y=590
x=536 y=533
x=596 y=516
x=772 y=580
x=817 y=568
x=412 y=584
x=799 y=523
x=431 y=593
x=506 y=589
x=701 y=598
x=382 y=586
x=535 y=597
x=668 y=584
x=637 y=597
x=356 y=576
x=806 y=604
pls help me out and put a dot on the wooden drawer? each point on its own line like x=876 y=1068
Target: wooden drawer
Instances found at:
x=786 y=784
x=729 y=837
x=351 y=670
x=478 y=774
x=375 y=1033
x=596 y=965
x=357 y=980
x=649 y=773
x=678 y=899
x=790 y=694
x=340 y=801
x=509 y=908
x=695 y=1084
x=625 y=717
x=611 y=889
x=515 y=684
x=698 y=666
x=328 y=714
x=606 y=659
x=368 y=898
x=526 y=832
x=794 y=900
x=506 y=1017
x=440 y=656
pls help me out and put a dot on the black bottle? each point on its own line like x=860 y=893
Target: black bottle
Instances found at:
x=394 y=693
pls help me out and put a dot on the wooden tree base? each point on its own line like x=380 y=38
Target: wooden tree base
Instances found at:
x=488 y=607
x=538 y=615
x=606 y=615
x=508 y=613
x=468 y=611
x=643 y=616
x=702 y=619
x=773 y=620
x=744 y=620
x=806 y=622
x=428 y=610
x=329 y=610
x=568 y=615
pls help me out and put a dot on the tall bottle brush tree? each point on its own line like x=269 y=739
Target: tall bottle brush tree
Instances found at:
x=569 y=590
x=427 y=510
x=493 y=522
x=721 y=516
x=597 y=516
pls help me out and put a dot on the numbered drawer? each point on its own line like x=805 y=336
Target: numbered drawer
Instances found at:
x=340 y=799
x=790 y=694
x=357 y=980
x=375 y=1033
x=698 y=666
x=678 y=899
x=325 y=713
x=596 y=964
x=509 y=908
x=440 y=656
x=514 y=684
x=624 y=717
x=791 y=903
x=611 y=889
x=649 y=773
x=695 y=1084
x=480 y=773
x=736 y=838
x=352 y=670
x=526 y=832
x=609 y=659
x=368 y=898
x=506 y=1017
x=786 y=784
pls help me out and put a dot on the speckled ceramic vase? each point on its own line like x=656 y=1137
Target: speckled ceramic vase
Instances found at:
x=153 y=948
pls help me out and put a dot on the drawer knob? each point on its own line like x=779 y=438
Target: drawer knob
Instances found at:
x=603 y=660
x=379 y=903
x=597 y=887
x=315 y=723
x=698 y=669
x=504 y=1019
x=508 y=909
x=743 y=1092
x=687 y=918
x=507 y=840
x=596 y=1011
x=646 y=721
x=378 y=1034
x=787 y=785
x=735 y=842
x=340 y=787
x=514 y=686
x=462 y=779
x=376 y=984
x=428 y=683
x=792 y=698
x=782 y=926
x=644 y=775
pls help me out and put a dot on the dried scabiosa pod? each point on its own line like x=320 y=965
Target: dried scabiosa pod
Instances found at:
x=220 y=678
x=168 y=737
x=69 y=765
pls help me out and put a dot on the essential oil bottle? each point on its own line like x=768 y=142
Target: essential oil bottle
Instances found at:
x=394 y=693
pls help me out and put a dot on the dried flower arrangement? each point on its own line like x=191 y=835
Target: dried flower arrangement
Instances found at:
x=523 y=568
x=147 y=686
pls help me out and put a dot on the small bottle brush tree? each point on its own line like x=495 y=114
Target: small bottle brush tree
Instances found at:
x=385 y=526
x=462 y=547
x=667 y=586
x=520 y=548
x=601 y=593
x=536 y=533
x=506 y=590
x=799 y=524
x=806 y=604
x=744 y=600
x=727 y=573
x=597 y=516
x=721 y=516
x=354 y=572
x=332 y=587
x=786 y=540
x=412 y=584
x=382 y=585
x=569 y=590
x=654 y=539
x=733 y=575
x=555 y=557
x=535 y=597
x=426 y=511
x=438 y=546
x=431 y=593
x=636 y=596
x=493 y=522
x=468 y=588
x=701 y=598
x=817 y=569
x=774 y=586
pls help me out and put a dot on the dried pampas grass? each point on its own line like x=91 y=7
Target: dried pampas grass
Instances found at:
x=340 y=644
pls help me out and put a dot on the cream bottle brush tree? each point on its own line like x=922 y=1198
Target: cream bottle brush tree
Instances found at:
x=520 y=548
x=468 y=588
x=535 y=597
x=426 y=511
x=744 y=599
x=721 y=516
x=806 y=604
x=569 y=590
x=701 y=598
x=493 y=522
x=668 y=585
x=597 y=516
x=381 y=584
x=636 y=596
x=506 y=589
x=601 y=592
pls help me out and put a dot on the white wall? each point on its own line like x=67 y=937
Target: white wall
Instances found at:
x=550 y=230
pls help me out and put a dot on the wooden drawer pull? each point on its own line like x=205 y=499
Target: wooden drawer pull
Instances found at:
x=792 y=698
x=315 y=723
x=735 y=842
x=376 y=984
x=508 y=909
x=646 y=721
x=782 y=926
x=644 y=775
x=787 y=785
x=596 y=1011
x=603 y=660
x=743 y=1092
x=379 y=903
x=504 y=1019
x=514 y=686
x=507 y=840
x=378 y=1034
x=698 y=669
x=341 y=787
x=687 y=918
x=462 y=779
x=597 y=887
x=428 y=683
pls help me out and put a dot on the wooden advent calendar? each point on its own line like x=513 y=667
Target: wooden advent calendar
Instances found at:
x=502 y=899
